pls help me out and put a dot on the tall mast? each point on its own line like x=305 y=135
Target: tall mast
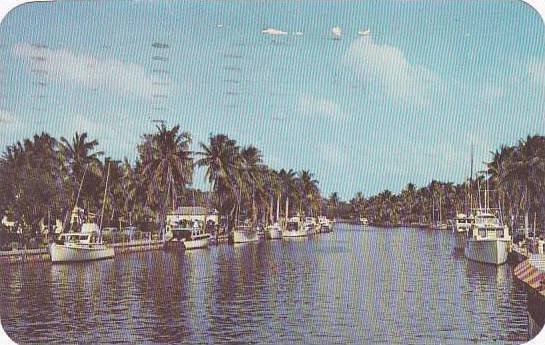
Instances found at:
x=471 y=181
x=104 y=200
x=278 y=208
x=77 y=197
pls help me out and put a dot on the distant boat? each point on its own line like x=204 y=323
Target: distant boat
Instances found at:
x=488 y=240
x=325 y=224
x=364 y=221
x=310 y=225
x=244 y=234
x=364 y=33
x=294 y=228
x=461 y=224
x=192 y=237
x=336 y=32
x=274 y=231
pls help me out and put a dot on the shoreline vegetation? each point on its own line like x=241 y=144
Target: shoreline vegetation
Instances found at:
x=41 y=177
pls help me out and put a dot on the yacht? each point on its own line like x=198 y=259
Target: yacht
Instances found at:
x=80 y=246
x=311 y=226
x=192 y=237
x=487 y=240
x=274 y=231
x=364 y=221
x=294 y=228
x=325 y=224
x=244 y=234
x=461 y=224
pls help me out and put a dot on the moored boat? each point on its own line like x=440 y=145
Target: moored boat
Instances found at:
x=194 y=237
x=274 y=231
x=310 y=225
x=244 y=234
x=80 y=246
x=294 y=228
x=461 y=224
x=325 y=224
x=488 y=241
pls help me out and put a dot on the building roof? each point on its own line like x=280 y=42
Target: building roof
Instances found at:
x=193 y=211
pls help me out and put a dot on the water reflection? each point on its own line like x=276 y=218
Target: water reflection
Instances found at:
x=355 y=285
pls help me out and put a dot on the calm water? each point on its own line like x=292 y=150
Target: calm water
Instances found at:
x=351 y=286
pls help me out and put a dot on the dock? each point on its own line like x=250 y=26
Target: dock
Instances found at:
x=42 y=254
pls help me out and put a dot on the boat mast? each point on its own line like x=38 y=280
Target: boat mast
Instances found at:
x=104 y=202
x=278 y=208
x=77 y=197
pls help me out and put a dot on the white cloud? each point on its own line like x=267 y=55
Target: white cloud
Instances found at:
x=273 y=32
x=406 y=83
x=312 y=106
x=63 y=66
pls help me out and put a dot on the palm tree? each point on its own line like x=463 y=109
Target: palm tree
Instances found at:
x=167 y=167
x=525 y=167
x=77 y=156
x=221 y=157
x=308 y=187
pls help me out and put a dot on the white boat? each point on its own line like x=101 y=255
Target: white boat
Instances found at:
x=364 y=221
x=86 y=245
x=461 y=224
x=325 y=224
x=310 y=225
x=275 y=231
x=294 y=228
x=80 y=246
x=244 y=234
x=488 y=240
x=192 y=237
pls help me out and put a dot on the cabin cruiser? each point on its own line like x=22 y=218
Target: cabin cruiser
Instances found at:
x=193 y=237
x=461 y=224
x=487 y=240
x=311 y=226
x=274 y=231
x=80 y=246
x=244 y=234
x=294 y=228
x=325 y=224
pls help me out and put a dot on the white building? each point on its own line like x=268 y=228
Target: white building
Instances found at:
x=191 y=214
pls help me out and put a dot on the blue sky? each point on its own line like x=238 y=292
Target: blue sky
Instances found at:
x=363 y=113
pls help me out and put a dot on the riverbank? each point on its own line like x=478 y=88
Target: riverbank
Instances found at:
x=42 y=254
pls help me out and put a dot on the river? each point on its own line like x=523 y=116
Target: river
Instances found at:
x=353 y=286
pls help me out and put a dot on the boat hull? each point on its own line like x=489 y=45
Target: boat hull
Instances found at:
x=197 y=243
x=460 y=240
x=62 y=253
x=275 y=234
x=490 y=251
x=291 y=234
x=244 y=236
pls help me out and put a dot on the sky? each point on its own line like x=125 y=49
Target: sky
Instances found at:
x=363 y=113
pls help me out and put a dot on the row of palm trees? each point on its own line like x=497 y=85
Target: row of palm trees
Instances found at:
x=515 y=173
x=44 y=177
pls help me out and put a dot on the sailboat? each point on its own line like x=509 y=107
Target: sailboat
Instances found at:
x=294 y=226
x=86 y=245
x=274 y=230
x=440 y=225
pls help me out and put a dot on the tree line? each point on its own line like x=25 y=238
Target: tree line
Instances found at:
x=515 y=173
x=44 y=176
